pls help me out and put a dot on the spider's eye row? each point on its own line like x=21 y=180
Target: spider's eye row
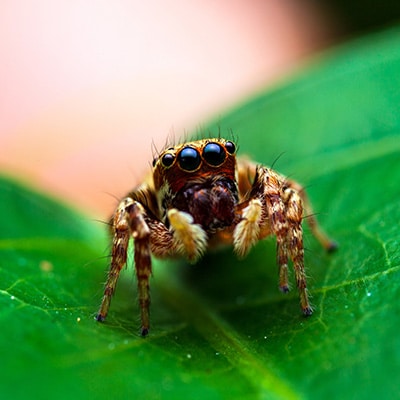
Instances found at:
x=230 y=147
x=214 y=154
x=167 y=159
x=189 y=159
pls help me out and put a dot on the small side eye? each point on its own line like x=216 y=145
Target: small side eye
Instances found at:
x=230 y=147
x=167 y=159
x=189 y=159
x=214 y=154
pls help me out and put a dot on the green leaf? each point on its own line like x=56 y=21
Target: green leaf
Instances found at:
x=221 y=329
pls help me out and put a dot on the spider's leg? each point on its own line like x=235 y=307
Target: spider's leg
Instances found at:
x=141 y=236
x=129 y=221
x=326 y=242
x=295 y=247
x=118 y=257
x=279 y=226
x=284 y=212
x=282 y=259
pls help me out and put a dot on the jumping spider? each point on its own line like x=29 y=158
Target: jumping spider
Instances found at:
x=200 y=196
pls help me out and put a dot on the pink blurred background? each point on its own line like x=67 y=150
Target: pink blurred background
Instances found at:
x=86 y=87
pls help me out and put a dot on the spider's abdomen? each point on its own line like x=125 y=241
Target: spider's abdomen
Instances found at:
x=211 y=202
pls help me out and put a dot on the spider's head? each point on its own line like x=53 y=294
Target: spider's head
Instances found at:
x=199 y=178
x=194 y=162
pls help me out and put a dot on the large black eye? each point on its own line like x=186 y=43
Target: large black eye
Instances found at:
x=189 y=159
x=230 y=147
x=167 y=159
x=214 y=154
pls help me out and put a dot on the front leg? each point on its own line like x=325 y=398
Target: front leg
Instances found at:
x=326 y=242
x=294 y=244
x=129 y=221
x=282 y=216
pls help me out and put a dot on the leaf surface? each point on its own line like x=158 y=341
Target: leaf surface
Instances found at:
x=221 y=329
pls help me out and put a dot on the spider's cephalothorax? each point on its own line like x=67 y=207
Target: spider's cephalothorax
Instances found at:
x=201 y=196
x=198 y=178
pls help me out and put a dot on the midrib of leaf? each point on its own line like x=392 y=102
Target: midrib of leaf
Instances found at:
x=222 y=337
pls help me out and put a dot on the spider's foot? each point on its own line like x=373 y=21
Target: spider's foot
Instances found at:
x=332 y=246
x=284 y=288
x=100 y=318
x=307 y=311
x=144 y=331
